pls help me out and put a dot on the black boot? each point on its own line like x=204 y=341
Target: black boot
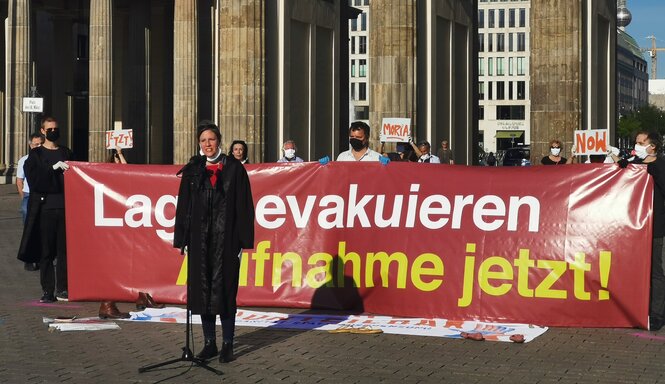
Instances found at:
x=227 y=353
x=209 y=350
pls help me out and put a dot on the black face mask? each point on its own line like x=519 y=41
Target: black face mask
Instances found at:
x=53 y=136
x=356 y=144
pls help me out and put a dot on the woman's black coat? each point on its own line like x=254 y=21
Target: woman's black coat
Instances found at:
x=215 y=224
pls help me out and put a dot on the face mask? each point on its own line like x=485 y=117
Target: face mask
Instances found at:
x=555 y=151
x=356 y=144
x=53 y=136
x=641 y=151
x=289 y=153
x=425 y=157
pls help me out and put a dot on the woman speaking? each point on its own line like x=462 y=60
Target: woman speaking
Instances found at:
x=214 y=222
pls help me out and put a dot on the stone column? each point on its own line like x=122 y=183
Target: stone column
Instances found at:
x=100 y=105
x=392 y=63
x=241 y=69
x=556 y=74
x=17 y=126
x=185 y=80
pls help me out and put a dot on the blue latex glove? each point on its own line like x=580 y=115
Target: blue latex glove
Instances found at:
x=384 y=160
x=324 y=160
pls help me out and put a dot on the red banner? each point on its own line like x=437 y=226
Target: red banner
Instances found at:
x=560 y=246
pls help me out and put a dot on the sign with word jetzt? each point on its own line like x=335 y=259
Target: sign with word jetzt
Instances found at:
x=119 y=138
x=395 y=129
x=591 y=142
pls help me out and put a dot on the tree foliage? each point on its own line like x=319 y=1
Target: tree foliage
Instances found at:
x=648 y=118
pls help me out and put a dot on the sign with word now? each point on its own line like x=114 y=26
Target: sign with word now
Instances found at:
x=591 y=142
x=395 y=129
x=119 y=138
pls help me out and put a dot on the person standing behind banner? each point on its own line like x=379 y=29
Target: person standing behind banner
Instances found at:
x=289 y=149
x=648 y=149
x=239 y=151
x=214 y=221
x=425 y=155
x=445 y=154
x=117 y=157
x=555 y=158
x=359 y=143
x=44 y=169
x=24 y=189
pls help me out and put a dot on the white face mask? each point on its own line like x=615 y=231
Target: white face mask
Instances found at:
x=641 y=151
x=555 y=151
x=425 y=157
x=289 y=153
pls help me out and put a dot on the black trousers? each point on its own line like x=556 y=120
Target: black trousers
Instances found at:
x=53 y=278
x=657 y=304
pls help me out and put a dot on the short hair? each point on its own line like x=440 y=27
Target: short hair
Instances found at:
x=36 y=135
x=555 y=141
x=287 y=142
x=244 y=146
x=444 y=142
x=358 y=125
x=208 y=125
x=640 y=132
x=656 y=140
x=48 y=119
x=424 y=142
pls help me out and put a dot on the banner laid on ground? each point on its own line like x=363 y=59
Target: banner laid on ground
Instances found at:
x=357 y=324
x=563 y=246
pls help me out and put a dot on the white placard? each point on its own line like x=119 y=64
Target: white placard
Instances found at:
x=395 y=129
x=33 y=104
x=591 y=141
x=119 y=138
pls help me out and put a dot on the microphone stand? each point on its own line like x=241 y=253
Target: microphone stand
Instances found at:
x=187 y=354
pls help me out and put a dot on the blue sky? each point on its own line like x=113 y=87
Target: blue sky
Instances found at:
x=649 y=19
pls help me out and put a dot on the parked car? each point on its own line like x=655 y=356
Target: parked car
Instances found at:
x=517 y=156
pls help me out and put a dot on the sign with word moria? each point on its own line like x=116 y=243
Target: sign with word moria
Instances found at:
x=400 y=240
x=395 y=129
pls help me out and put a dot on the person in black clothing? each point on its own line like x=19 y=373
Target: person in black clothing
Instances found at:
x=647 y=151
x=555 y=158
x=238 y=150
x=45 y=225
x=214 y=220
x=491 y=159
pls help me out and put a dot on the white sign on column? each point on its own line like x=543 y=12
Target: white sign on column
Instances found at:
x=33 y=104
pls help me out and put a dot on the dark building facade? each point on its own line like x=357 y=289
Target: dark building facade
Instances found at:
x=632 y=75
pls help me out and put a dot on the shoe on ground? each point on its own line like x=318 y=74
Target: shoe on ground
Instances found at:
x=209 y=350
x=47 y=298
x=146 y=301
x=226 y=355
x=31 y=266
x=62 y=296
x=108 y=310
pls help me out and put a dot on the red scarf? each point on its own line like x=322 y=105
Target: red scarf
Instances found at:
x=213 y=170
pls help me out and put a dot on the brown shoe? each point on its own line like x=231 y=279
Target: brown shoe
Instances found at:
x=145 y=301
x=108 y=310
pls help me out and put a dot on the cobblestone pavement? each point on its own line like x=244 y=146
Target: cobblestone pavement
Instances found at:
x=29 y=353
